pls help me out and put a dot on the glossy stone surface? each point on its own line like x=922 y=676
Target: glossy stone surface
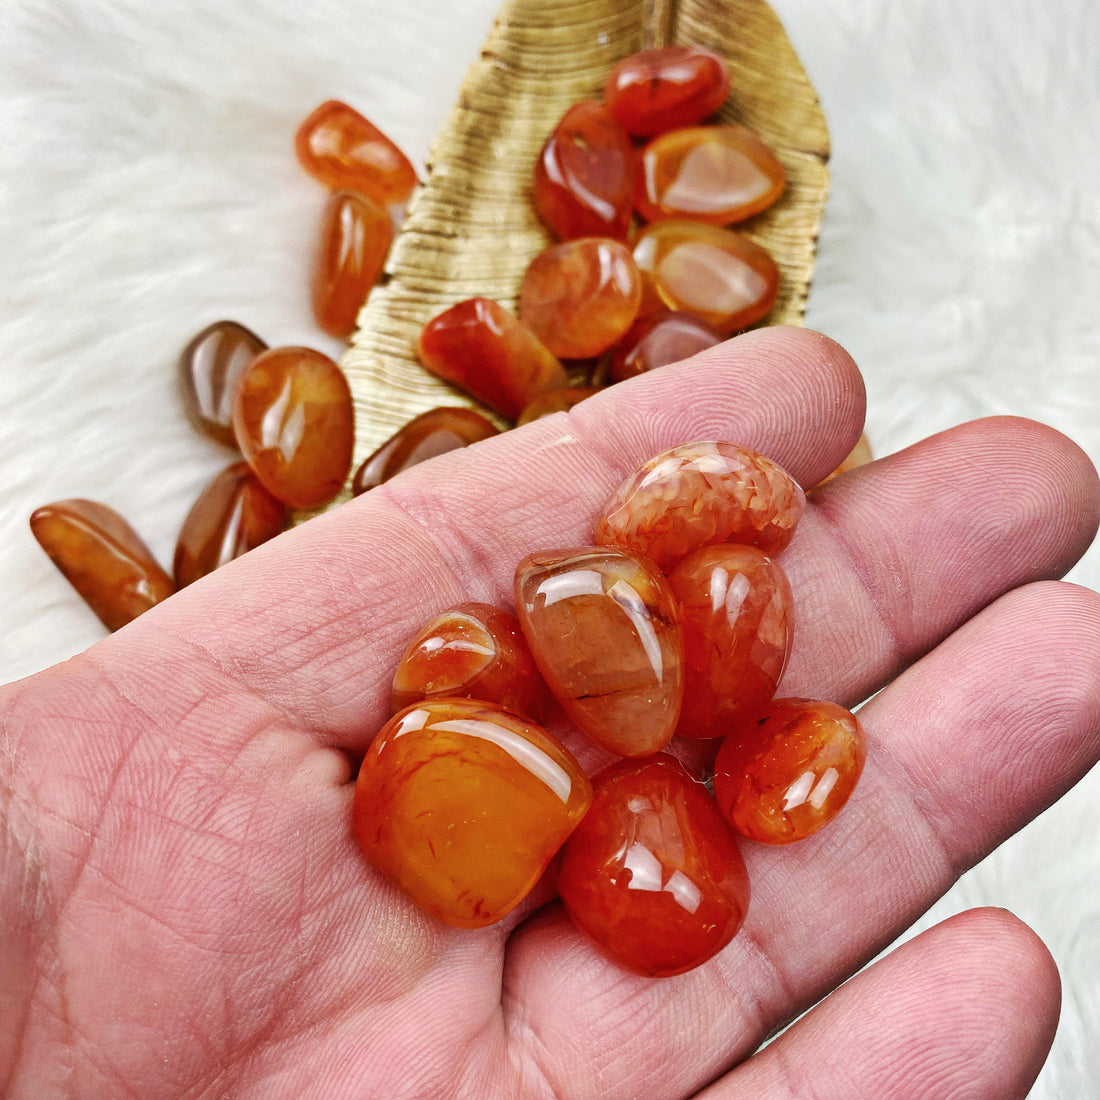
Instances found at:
x=462 y=805
x=345 y=151
x=699 y=494
x=715 y=174
x=737 y=623
x=783 y=774
x=432 y=433
x=295 y=425
x=103 y=558
x=653 y=874
x=602 y=628
x=475 y=651
x=581 y=296
x=546 y=404
x=478 y=346
x=717 y=274
x=584 y=177
x=661 y=89
x=355 y=238
x=659 y=339
x=234 y=514
x=210 y=369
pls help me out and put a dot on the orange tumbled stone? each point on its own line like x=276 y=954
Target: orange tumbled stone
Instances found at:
x=295 y=425
x=736 y=616
x=234 y=514
x=338 y=146
x=546 y=404
x=602 y=628
x=716 y=174
x=478 y=346
x=103 y=558
x=717 y=274
x=664 y=88
x=584 y=177
x=659 y=339
x=355 y=237
x=784 y=773
x=581 y=296
x=653 y=874
x=475 y=651
x=432 y=433
x=462 y=805
x=699 y=494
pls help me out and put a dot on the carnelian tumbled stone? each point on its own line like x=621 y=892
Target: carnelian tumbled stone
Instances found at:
x=653 y=874
x=699 y=494
x=717 y=274
x=737 y=619
x=475 y=651
x=658 y=340
x=234 y=514
x=295 y=425
x=210 y=369
x=432 y=433
x=546 y=404
x=667 y=87
x=784 y=773
x=581 y=296
x=338 y=146
x=103 y=558
x=355 y=237
x=478 y=346
x=716 y=174
x=462 y=805
x=584 y=177
x=602 y=627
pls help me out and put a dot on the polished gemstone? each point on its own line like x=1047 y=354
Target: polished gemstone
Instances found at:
x=103 y=558
x=653 y=874
x=659 y=339
x=463 y=804
x=602 y=627
x=552 y=401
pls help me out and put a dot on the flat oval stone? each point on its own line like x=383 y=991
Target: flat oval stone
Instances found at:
x=295 y=425
x=103 y=558
x=699 y=494
x=602 y=628
x=658 y=339
x=462 y=805
x=552 y=401
x=210 y=369
x=234 y=514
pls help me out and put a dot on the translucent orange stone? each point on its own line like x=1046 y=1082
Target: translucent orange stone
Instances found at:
x=338 y=146
x=659 y=339
x=664 y=88
x=653 y=874
x=717 y=274
x=699 y=494
x=546 y=404
x=584 y=177
x=295 y=425
x=475 y=651
x=234 y=514
x=716 y=174
x=737 y=621
x=603 y=631
x=103 y=558
x=355 y=238
x=786 y=772
x=478 y=346
x=210 y=369
x=581 y=296
x=462 y=805
x=432 y=433
x=859 y=455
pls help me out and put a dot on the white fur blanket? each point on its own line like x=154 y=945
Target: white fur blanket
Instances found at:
x=148 y=187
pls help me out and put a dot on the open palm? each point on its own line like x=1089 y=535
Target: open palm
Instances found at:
x=183 y=911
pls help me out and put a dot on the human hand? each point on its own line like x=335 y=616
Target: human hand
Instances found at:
x=183 y=911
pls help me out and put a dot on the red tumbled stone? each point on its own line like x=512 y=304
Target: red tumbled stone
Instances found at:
x=659 y=339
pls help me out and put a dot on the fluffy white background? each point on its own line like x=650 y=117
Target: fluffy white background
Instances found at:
x=148 y=187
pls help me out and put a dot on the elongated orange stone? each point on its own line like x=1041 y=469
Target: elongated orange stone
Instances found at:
x=659 y=339
x=463 y=805
x=699 y=494
x=602 y=627
x=103 y=558
x=546 y=404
